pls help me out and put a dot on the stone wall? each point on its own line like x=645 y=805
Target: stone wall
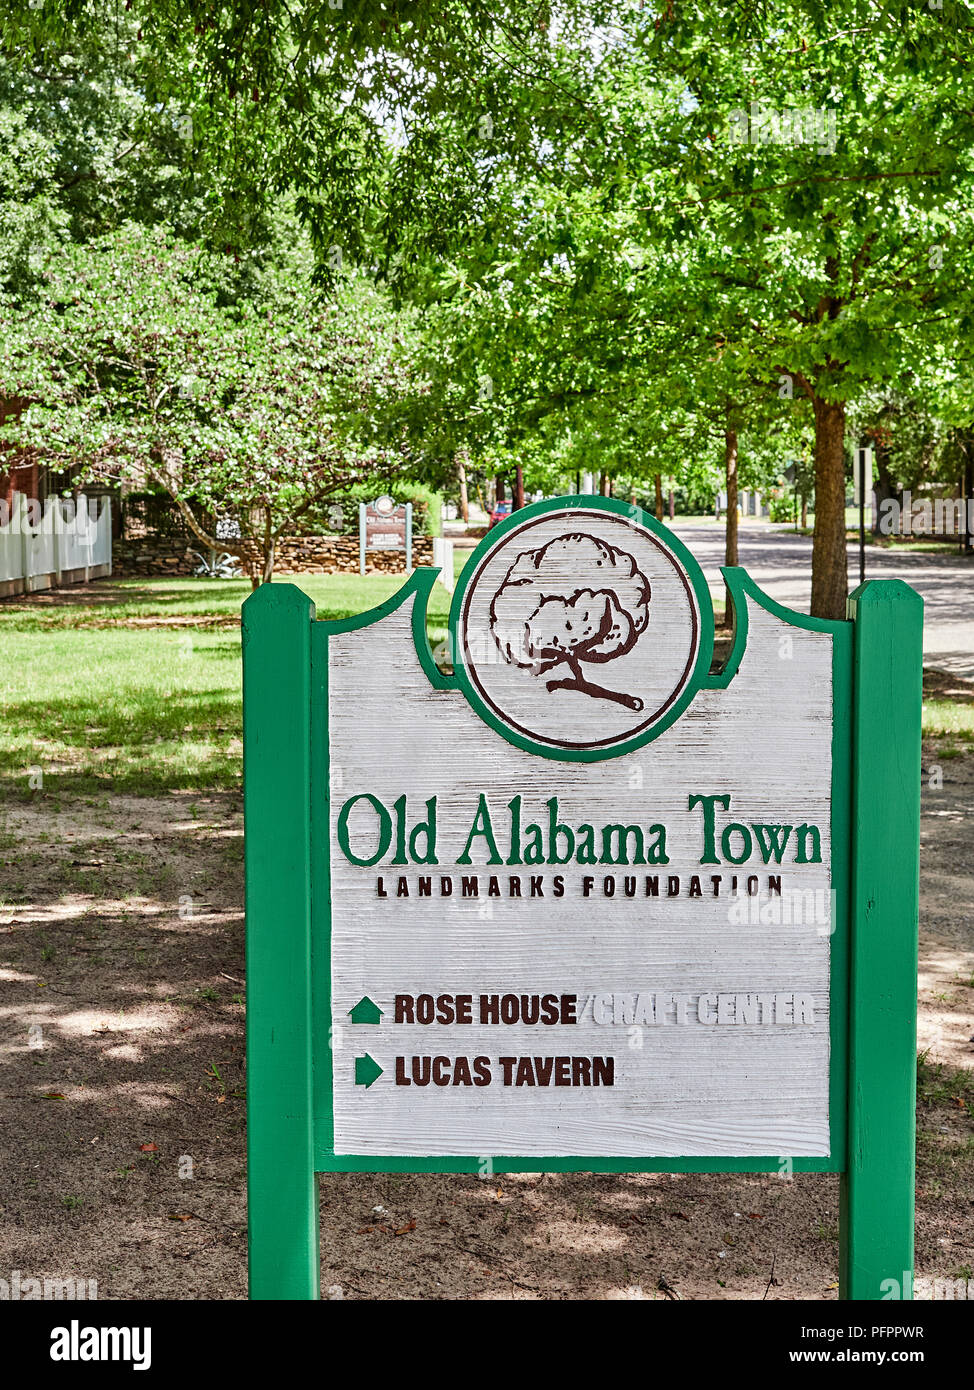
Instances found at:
x=296 y=555
x=339 y=555
x=136 y=559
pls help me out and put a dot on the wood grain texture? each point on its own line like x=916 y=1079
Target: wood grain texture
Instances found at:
x=282 y=1189
x=544 y=581
x=876 y=1253
x=681 y=1089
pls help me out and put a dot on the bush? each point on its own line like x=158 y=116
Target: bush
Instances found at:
x=695 y=498
x=782 y=506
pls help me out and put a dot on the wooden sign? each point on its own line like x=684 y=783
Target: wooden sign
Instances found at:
x=386 y=525
x=862 y=476
x=587 y=902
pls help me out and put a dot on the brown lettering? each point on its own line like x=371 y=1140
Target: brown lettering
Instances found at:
x=603 y=1071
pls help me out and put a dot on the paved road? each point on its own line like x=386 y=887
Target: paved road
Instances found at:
x=781 y=563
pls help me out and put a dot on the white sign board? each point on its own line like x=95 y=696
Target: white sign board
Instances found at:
x=581 y=892
x=385 y=525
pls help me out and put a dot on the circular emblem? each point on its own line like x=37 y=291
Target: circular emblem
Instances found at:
x=582 y=629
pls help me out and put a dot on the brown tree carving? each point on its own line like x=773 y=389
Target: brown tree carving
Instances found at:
x=574 y=601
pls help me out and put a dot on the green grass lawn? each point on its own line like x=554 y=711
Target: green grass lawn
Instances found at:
x=134 y=686
x=947 y=719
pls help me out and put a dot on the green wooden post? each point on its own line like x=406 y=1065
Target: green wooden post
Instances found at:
x=282 y=1186
x=877 y=1192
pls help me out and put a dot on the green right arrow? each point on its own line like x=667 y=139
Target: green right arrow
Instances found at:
x=367 y=1070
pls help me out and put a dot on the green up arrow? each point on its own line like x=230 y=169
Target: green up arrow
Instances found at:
x=365 y=1011
x=367 y=1070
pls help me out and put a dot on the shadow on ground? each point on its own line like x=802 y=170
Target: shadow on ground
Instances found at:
x=122 y=1079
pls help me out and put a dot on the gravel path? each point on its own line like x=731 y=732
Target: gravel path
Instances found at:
x=121 y=1076
x=780 y=562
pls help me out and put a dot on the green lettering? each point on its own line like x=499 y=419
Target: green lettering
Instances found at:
x=804 y=834
x=534 y=848
x=427 y=826
x=622 y=833
x=708 y=803
x=656 y=852
x=585 y=853
x=481 y=826
x=554 y=831
x=514 y=806
x=385 y=830
x=771 y=840
x=399 y=806
x=747 y=845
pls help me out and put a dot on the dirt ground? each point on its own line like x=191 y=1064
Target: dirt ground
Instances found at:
x=121 y=1046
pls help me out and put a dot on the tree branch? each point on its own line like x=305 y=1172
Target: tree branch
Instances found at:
x=796 y=183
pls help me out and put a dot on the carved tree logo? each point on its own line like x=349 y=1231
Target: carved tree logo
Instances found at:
x=576 y=599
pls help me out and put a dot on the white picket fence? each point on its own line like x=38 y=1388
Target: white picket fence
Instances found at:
x=67 y=541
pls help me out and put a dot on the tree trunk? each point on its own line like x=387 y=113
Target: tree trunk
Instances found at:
x=499 y=488
x=804 y=513
x=730 y=519
x=885 y=485
x=659 y=497
x=518 y=488
x=830 y=575
x=603 y=484
x=237 y=549
x=462 y=480
x=269 y=551
x=672 y=505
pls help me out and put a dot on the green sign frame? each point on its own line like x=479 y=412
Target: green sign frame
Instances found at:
x=877 y=678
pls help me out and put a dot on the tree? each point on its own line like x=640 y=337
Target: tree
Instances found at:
x=306 y=99
x=136 y=373
x=810 y=167
x=829 y=150
x=920 y=438
x=88 y=134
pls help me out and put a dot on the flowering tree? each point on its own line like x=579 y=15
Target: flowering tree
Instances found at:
x=135 y=371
